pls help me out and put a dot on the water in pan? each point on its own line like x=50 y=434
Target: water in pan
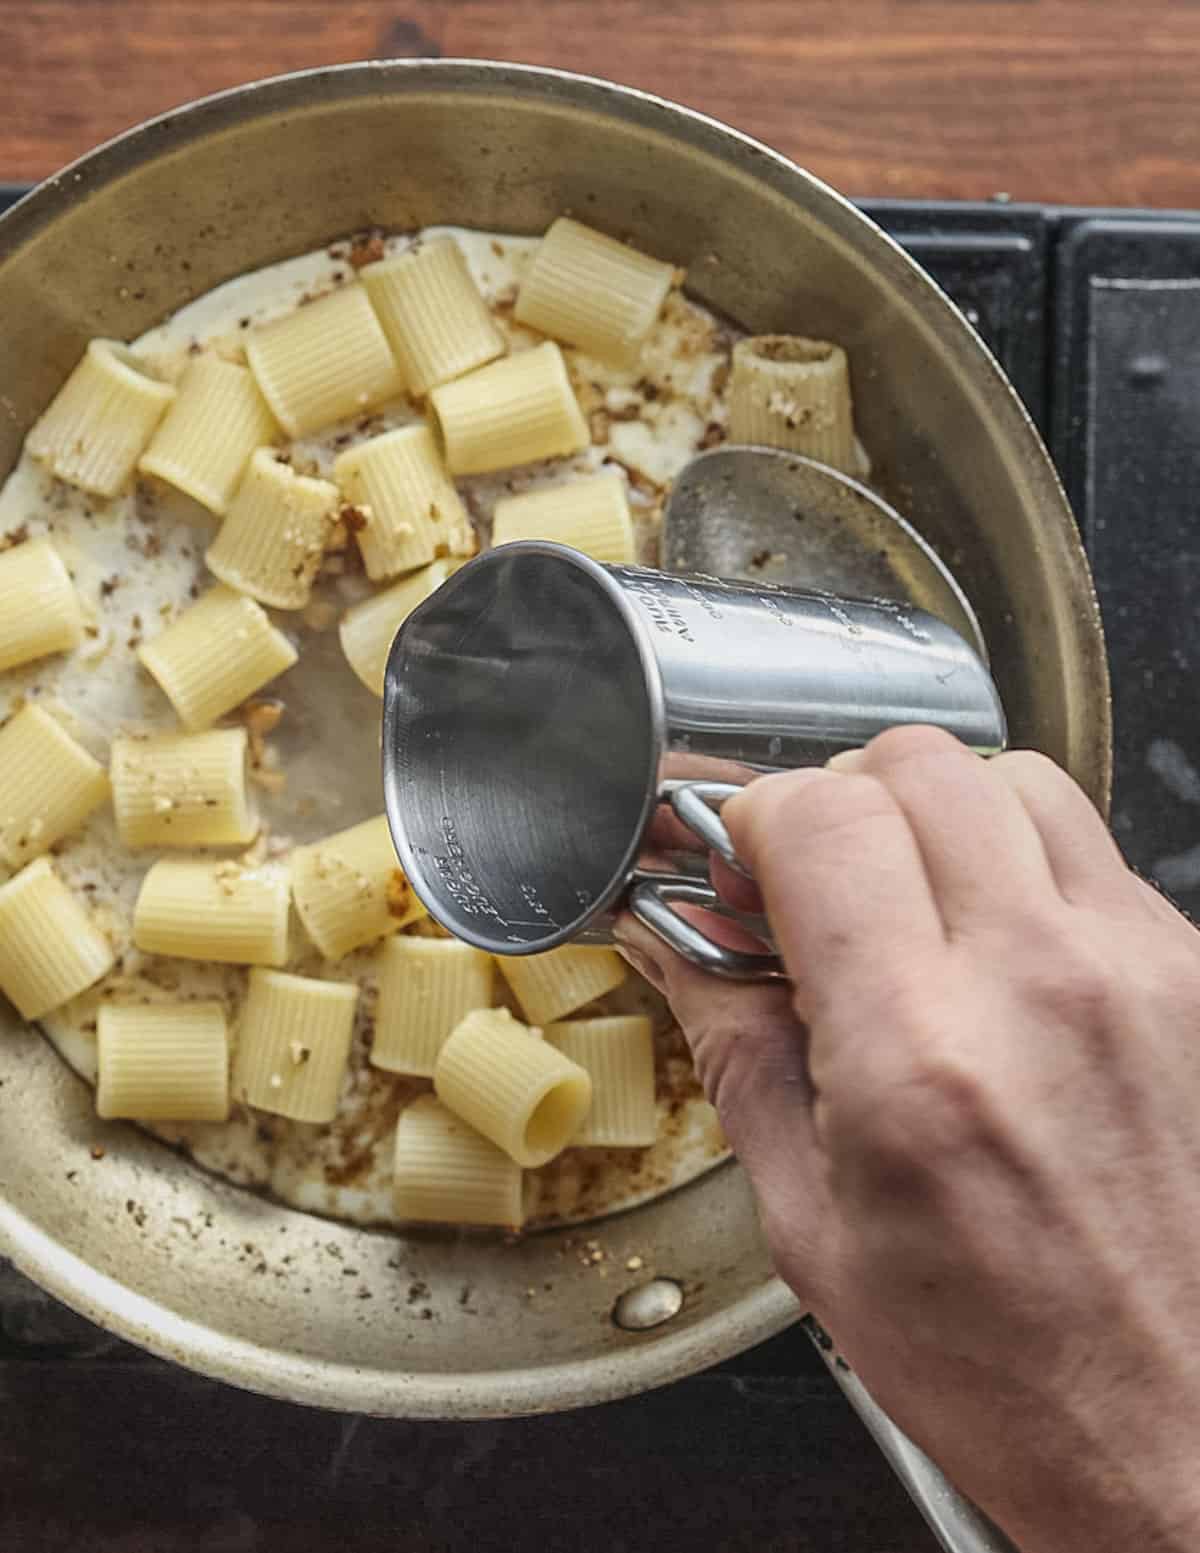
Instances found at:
x=138 y=560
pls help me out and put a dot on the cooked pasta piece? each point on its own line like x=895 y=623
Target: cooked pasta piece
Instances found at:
x=618 y=1054
x=198 y=909
x=448 y=1173
x=407 y=506
x=427 y=986
x=593 y=292
x=547 y=986
x=101 y=419
x=220 y=651
x=589 y=515
x=436 y=322
x=328 y=360
x=349 y=889
x=511 y=412
x=271 y=543
x=368 y=629
x=183 y=790
x=206 y=437
x=162 y=1062
x=512 y=1087
x=48 y=785
x=789 y=392
x=39 y=608
x=293 y=1043
x=50 y=949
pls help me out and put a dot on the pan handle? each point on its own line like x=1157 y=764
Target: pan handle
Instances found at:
x=958 y=1525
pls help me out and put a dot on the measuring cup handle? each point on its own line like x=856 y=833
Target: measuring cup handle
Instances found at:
x=652 y=899
x=651 y=902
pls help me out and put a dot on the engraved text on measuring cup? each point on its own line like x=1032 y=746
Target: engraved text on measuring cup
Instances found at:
x=664 y=616
x=461 y=884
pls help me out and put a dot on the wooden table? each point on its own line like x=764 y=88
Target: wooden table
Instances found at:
x=1081 y=101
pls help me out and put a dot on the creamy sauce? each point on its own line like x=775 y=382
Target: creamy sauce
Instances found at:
x=139 y=559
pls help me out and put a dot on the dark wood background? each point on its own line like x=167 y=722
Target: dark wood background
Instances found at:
x=1084 y=101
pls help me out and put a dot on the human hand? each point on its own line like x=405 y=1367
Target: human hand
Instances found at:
x=973 y=1123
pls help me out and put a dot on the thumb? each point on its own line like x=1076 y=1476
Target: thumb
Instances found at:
x=751 y=1055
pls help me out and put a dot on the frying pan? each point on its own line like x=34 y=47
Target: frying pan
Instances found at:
x=231 y=1284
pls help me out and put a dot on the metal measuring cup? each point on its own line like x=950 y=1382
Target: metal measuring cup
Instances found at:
x=539 y=706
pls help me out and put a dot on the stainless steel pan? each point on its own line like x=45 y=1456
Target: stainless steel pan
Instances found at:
x=233 y=1285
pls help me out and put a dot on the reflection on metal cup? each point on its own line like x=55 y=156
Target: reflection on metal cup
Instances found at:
x=539 y=707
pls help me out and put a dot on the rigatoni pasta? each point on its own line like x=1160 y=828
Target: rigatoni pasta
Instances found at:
x=427 y=986
x=786 y=391
x=367 y=630
x=618 y=1054
x=274 y=536
x=511 y=412
x=200 y=909
x=512 y=1087
x=593 y=292
x=590 y=515
x=435 y=320
x=549 y=985
x=39 y=608
x=101 y=419
x=407 y=507
x=206 y=437
x=446 y=1172
x=50 y=949
x=349 y=888
x=49 y=785
x=183 y=790
x=164 y=1062
x=293 y=1041
x=219 y=651
x=328 y=360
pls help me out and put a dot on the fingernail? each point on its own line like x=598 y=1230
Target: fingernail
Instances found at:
x=641 y=962
x=848 y=760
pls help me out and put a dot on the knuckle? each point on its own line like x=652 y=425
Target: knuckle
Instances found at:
x=938 y=1112
x=913 y=741
x=1069 y=979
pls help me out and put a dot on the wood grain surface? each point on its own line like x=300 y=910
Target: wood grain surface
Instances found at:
x=1086 y=101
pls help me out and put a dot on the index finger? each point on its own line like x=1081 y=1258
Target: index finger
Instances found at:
x=842 y=878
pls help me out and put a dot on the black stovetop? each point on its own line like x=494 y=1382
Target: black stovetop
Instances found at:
x=1095 y=315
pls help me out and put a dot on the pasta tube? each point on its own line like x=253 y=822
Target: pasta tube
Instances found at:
x=219 y=652
x=183 y=790
x=293 y=1043
x=408 y=507
x=367 y=630
x=328 y=360
x=618 y=1054
x=593 y=292
x=349 y=888
x=789 y=392
x=427 y=986
x=448 y=1173
x=48 y=785
x=436 y=322
x=512 y=1087
x=202 y=910
x=39 y=608
x=271 y=543
x=204 y=440
x=99 y=423
x=164 y=1062
x=547 y=986
x=590 y=515
x=50 y=949
x=511 y=412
